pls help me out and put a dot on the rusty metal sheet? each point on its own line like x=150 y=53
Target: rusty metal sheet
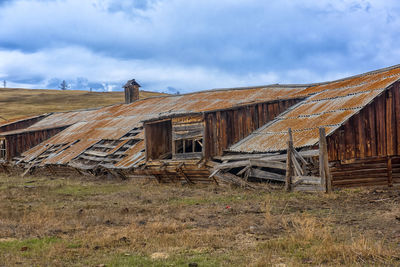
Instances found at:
x=311 y=106
x=309 y=122
x=376 y=85
x=34 y=152
x=132 y=155
x=356 y=81
x=330 y=106
x=261 y=142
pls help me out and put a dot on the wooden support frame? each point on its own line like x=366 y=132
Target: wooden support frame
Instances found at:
x=326 y=178
x=289 y=165
x=297 y=178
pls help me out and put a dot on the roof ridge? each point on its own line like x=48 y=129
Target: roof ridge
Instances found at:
x=283 y=86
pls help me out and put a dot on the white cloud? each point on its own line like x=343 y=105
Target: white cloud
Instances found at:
x=75 y=62
x=193 y=44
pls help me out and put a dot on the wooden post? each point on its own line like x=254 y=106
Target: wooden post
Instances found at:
x=289 y=164
x=389 y=172
x=326 y=179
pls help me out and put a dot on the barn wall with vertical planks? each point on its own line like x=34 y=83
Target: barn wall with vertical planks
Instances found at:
x=21 y=142
x=226 y=127
x=365 y=150
x=20 y=124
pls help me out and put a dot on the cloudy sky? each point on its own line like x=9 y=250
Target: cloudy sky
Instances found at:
x=189 y=45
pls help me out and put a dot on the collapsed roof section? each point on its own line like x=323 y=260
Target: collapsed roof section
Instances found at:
x=332 y=105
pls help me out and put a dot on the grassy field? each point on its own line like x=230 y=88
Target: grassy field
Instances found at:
x=86 y=222
x=16 y=103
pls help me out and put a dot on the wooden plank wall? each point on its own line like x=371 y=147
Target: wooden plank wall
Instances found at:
x=224 y=128
x=174 y=171
x=158 y=138
x=373 y=132
x=365 y=150
x=19 y=143
x=366 y=172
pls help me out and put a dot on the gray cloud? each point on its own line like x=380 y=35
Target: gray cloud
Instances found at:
x=197 y=44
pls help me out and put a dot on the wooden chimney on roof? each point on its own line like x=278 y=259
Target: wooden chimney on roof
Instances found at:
x=131 y=91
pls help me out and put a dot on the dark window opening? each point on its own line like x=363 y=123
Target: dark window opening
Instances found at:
x=198 y=145
x=184 y=146
x=3 y=149
x=188 y=146
x=179 y=146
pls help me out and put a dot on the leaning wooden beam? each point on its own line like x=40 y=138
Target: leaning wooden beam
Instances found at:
x=289 y=165
x=212 y=176
x=243 y=156
x=282 y=157
x=28 y=169
x=268 y=164
x=296 y=165
x=299 y=156
x=243 y=170
x=230 y=165
x=256 y=173
x=306 y=180
x=214 y=173
x=180 y=171
x=269 y=156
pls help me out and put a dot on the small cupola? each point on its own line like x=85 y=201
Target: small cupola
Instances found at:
x=131 y=91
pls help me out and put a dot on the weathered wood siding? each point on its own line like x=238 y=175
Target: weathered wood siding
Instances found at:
x=366 y=172
x=175 y=171
x=22 y=124
x=158 y=139
x=364 y=150
x=224 y=128
x=19 y=143
x=373 y=132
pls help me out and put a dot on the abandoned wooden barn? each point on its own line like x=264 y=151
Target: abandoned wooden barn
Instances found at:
x=111 y=139
x=361 y=116
x=183 y=137
x=13 y=125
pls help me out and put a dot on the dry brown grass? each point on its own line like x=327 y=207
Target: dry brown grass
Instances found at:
x=81 y=222
x=16 y=103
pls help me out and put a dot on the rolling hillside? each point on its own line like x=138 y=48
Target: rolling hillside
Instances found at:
x=16 y=103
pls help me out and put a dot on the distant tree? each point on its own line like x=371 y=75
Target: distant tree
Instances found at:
x=63 y=85
x=177 y=93
x=5 y=83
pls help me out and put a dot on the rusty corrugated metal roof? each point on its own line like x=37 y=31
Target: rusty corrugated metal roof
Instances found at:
x=330 y=106
x=114 y=122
